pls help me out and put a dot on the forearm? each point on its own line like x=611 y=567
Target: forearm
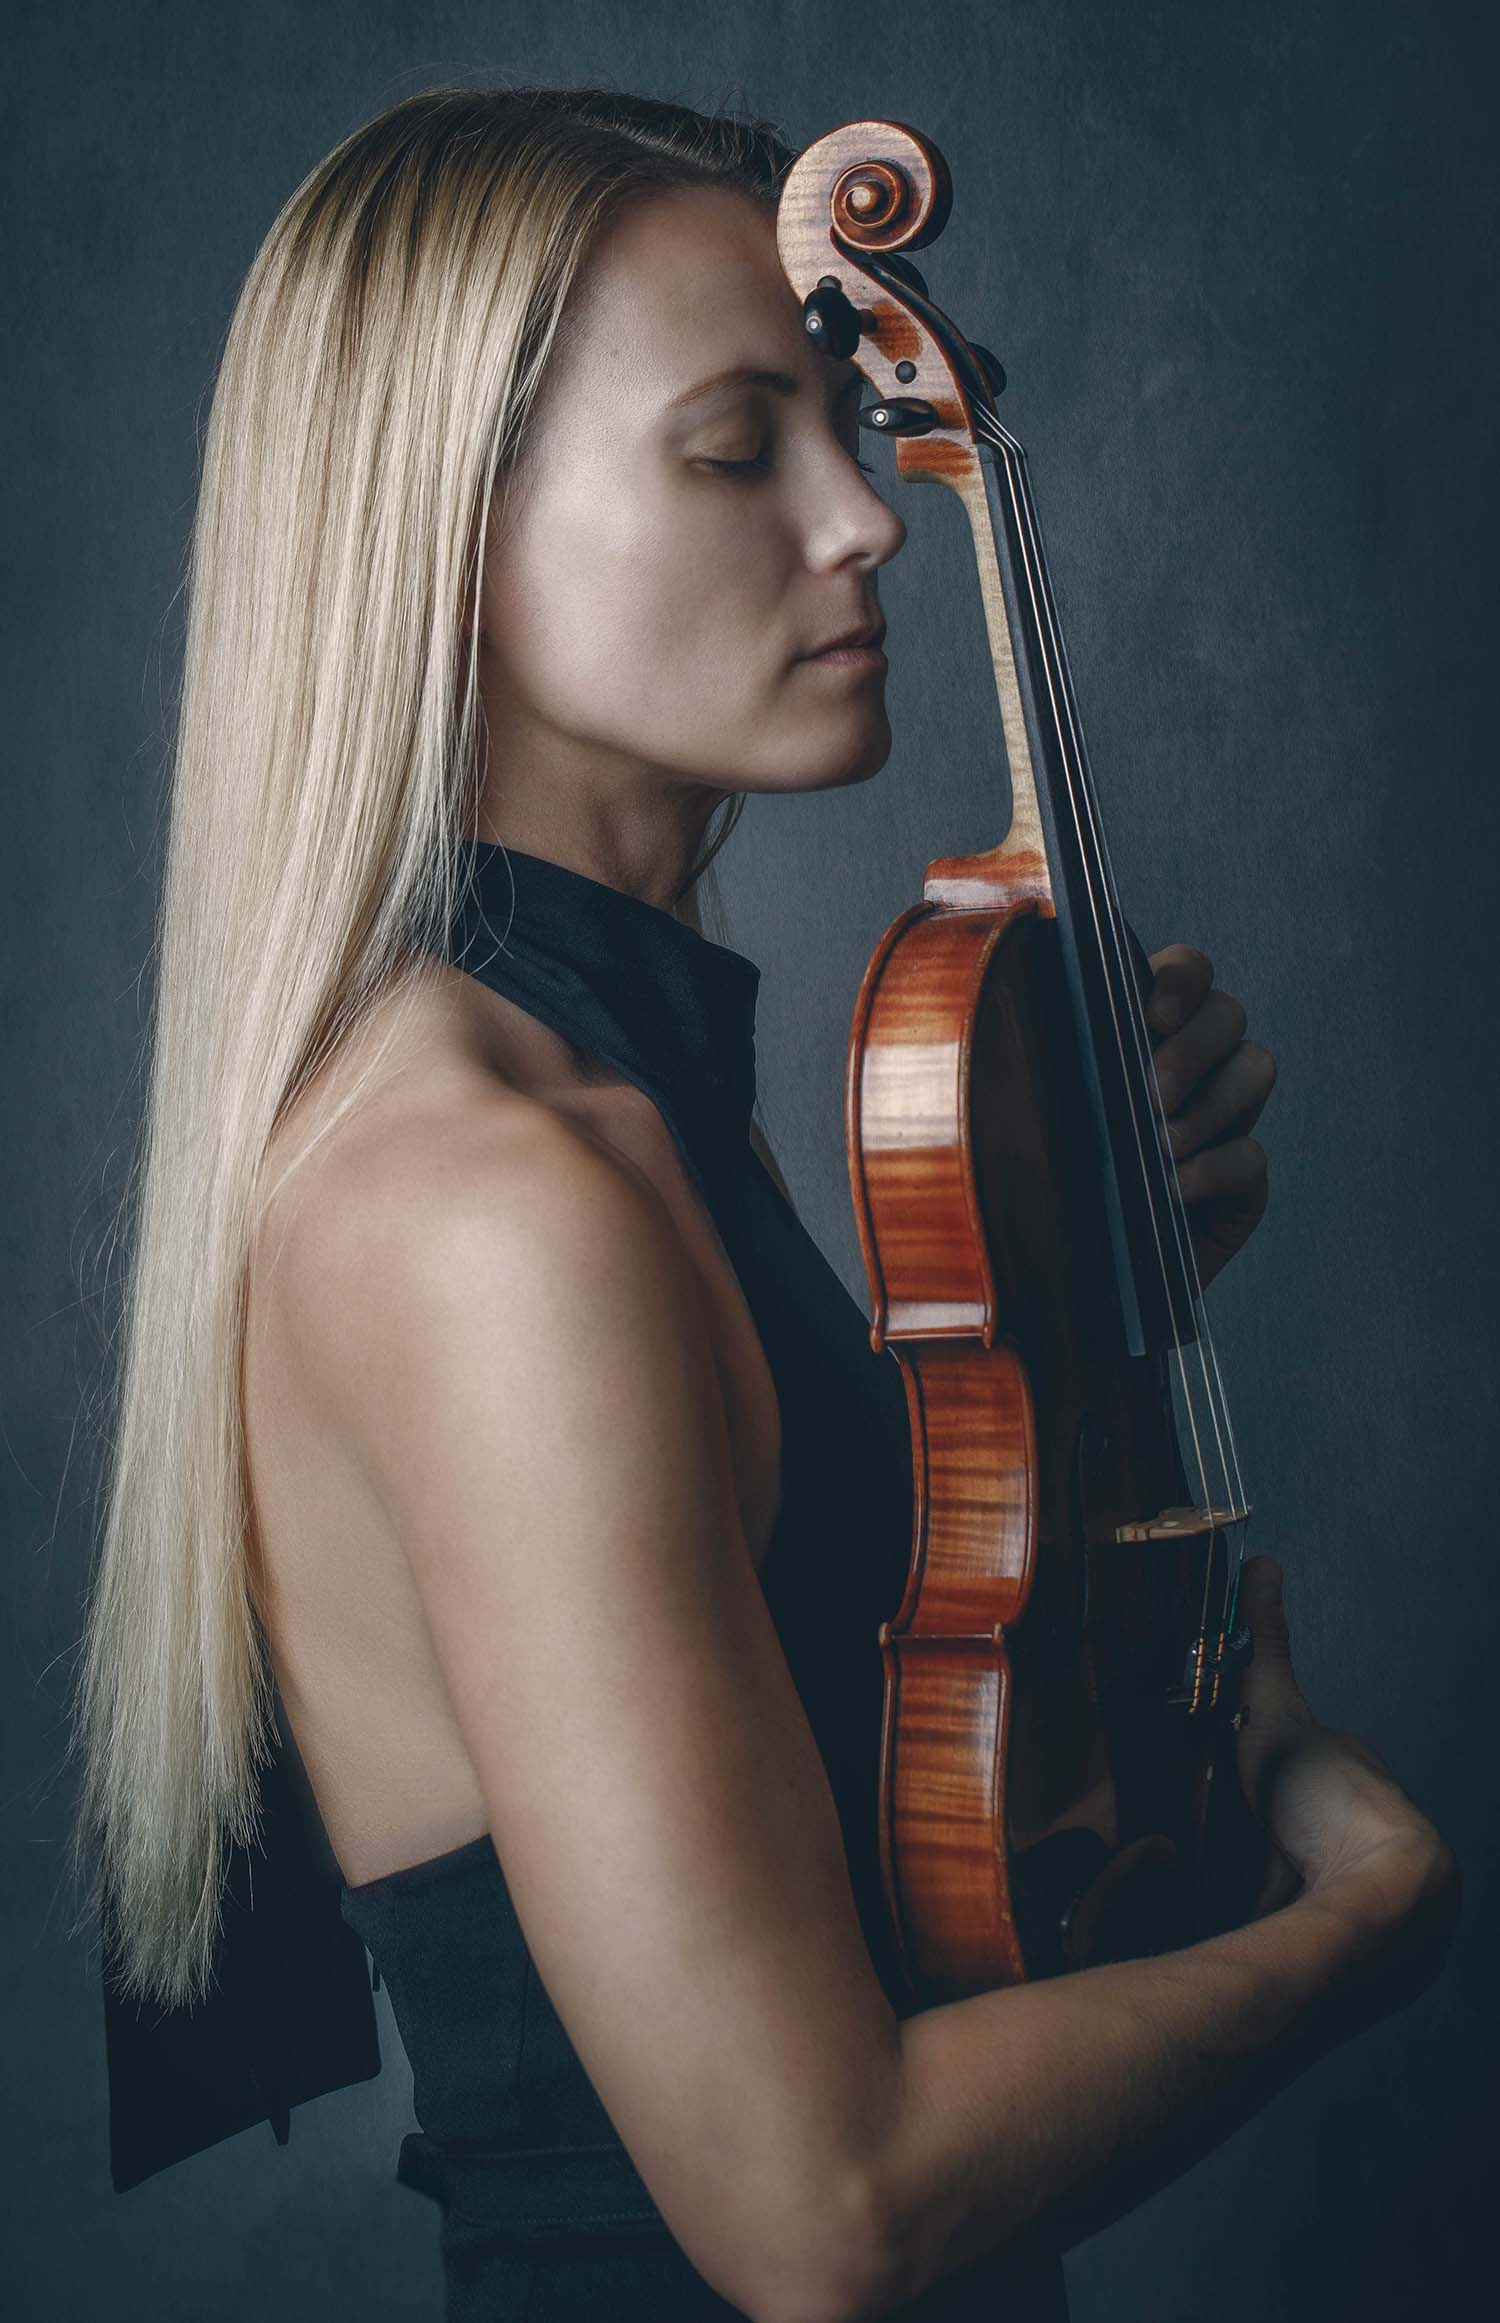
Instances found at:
x=1058 y=2105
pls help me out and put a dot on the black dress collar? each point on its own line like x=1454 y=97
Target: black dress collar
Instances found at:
x=621 y=979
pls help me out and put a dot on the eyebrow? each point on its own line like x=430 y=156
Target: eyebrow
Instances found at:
x=744 y=375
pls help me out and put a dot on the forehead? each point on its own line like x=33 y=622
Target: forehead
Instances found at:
x=685 y=283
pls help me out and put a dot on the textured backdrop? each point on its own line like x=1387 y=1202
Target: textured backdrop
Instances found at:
x=1239 y=263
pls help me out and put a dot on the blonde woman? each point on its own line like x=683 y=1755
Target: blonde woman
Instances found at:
x=505 y=1494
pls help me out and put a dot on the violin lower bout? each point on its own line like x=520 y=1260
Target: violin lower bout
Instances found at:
x=1045 y=1788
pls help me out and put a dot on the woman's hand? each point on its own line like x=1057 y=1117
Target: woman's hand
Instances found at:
x=1213 y=1085
x=1338 y=1824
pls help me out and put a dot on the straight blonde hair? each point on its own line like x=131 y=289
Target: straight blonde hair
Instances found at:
x=371 y=405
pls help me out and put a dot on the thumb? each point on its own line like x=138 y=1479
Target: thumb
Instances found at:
x=1269 y=1690
x=1272 y=1717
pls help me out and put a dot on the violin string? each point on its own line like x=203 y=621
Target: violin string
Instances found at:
x=1008 y=446
x=1145 y=1055
x=1050 y=635
x=1208 y=1353
x=1032 y=547
x=1145 y=1058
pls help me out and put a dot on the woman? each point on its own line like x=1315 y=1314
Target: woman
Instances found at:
x=482 y=1390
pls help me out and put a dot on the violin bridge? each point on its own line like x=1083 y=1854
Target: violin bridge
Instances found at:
x=1178 y=1524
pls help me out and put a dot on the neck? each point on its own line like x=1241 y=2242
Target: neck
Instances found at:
x=640 y=837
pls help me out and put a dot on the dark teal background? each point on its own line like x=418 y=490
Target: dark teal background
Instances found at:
x=1239 y=262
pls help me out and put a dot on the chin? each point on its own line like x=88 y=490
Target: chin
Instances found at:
x=871 y=759
x=840 y=769
x=842 y=761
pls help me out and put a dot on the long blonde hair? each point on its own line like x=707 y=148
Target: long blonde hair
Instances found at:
x=371 y=405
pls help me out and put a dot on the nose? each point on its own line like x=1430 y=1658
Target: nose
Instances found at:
x=853 y=525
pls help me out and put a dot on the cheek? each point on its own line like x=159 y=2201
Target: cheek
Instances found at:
x=625 y=611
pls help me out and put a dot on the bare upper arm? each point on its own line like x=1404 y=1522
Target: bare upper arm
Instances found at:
x=520 y=1357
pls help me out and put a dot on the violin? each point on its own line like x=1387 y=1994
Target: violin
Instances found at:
x=1057 y=1782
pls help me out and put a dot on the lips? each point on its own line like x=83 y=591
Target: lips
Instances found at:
x=872 y=633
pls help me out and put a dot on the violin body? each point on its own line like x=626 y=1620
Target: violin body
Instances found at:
x=1056 y=1782
x=1043 y=1797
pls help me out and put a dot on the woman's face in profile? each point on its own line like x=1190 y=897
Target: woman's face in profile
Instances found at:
x=647 y=613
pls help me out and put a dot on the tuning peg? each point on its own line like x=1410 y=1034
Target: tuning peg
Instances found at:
x=899 y=415
x=991 y=367
x=830 y=320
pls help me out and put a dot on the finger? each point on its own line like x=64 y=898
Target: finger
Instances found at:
x=1212 y=1033
x=1227 y=1103
x=1234 y=1172
x=1181 y=977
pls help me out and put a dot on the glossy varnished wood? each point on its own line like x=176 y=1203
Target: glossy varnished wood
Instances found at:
x=1035 y=1784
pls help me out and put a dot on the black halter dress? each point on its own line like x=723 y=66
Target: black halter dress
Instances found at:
x=543 y=2214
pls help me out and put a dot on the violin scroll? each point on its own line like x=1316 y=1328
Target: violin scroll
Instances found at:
x=852 y=204
x=890 y=204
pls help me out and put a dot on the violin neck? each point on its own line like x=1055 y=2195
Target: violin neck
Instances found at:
x=1055 y=848
x=1053 y=803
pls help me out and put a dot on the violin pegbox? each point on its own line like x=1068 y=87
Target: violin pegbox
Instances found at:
x=852 y=205
x=832 y=323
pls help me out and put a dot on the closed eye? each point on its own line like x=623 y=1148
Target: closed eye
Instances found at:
x=760 y=465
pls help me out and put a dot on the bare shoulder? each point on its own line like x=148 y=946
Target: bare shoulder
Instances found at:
x=455 y=1202
x=482 y=1210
